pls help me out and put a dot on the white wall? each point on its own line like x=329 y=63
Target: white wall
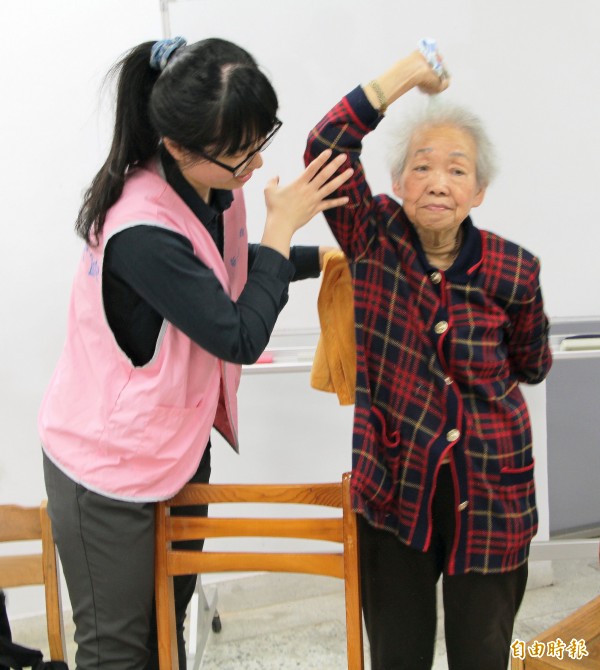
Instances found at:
x=54 y=135
x=529 y=68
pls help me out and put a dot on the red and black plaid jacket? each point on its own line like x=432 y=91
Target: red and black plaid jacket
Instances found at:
x=439 y=359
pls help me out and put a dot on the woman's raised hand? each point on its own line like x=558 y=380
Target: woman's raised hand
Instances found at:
x=291 y=206
x=428 y=81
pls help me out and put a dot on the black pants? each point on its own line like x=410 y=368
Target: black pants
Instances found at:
x=399 y=599
x=106 y=548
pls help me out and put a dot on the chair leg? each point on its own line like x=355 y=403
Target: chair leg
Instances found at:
x=354 y=629
x=203 y=617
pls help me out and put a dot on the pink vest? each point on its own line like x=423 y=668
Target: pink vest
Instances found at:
x=138 y=433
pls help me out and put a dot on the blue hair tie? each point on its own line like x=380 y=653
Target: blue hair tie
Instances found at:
x=163 y=50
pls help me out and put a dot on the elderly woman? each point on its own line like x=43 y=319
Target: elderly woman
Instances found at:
x=449 y=320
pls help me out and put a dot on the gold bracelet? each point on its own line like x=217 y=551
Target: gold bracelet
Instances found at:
x=380 y=95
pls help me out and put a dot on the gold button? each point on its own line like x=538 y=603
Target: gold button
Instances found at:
x=448 y=381
x=441 y=327
x=436 y=277
x=453 y=435
x=463 y=505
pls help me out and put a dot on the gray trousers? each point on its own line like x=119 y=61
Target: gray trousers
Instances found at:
x=106 y=548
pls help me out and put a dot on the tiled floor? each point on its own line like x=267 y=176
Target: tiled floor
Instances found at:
x=285 y=622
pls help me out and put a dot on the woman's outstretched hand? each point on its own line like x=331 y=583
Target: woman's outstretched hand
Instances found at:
x=291 y=206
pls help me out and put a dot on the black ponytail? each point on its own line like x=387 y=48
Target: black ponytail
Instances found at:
x=211 y=96
x=134 y=139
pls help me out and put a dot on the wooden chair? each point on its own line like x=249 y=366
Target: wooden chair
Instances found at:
x=33 y=523
x=341 y=562
x=582 y=624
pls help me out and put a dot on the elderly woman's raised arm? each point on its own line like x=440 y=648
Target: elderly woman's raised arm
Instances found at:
x=410 y=72
x=342 y=130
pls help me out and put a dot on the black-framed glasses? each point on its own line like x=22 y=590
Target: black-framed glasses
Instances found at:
x=237 y=170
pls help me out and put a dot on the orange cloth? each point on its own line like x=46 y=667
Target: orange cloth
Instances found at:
x=334 y=364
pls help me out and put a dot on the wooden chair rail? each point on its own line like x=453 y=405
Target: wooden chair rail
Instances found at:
x=314 y=494
x=191 y=528
x=22 y=570
x=185 y=563
x=19 y=523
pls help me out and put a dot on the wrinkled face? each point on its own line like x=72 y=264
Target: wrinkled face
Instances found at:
x=439 y=186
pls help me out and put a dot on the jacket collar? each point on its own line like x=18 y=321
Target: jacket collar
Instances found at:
x=469 y=257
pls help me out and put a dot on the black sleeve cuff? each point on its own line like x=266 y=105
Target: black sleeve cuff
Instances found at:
x=271 y=261
x=306 y=262
x=363 y=109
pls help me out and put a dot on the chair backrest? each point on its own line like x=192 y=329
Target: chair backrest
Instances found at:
x=340 y=562
x=18 y=524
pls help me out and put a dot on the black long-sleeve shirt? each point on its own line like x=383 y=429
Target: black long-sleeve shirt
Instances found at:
x=151 y=274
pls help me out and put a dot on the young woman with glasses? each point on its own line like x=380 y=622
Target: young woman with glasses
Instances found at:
x=169 y=300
